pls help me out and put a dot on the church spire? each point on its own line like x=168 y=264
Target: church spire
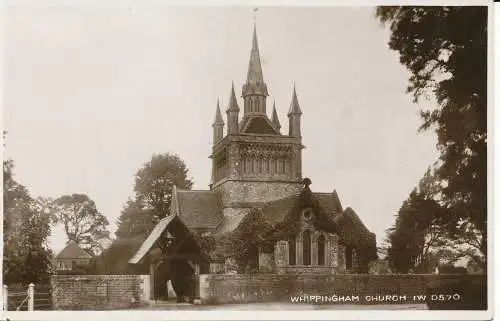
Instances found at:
x=254 y=75
x=254 y=92
x=275 y=119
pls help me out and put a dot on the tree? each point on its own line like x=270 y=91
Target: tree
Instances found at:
x=134 y=220
x=419 y=242
x=26 y=255
x=154 y=183
x=155 y=180
x=81 y=220
x=445 y=49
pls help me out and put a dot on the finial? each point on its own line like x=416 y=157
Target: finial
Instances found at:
x=306 y=182
x=255 y=17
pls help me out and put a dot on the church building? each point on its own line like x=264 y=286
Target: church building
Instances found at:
x=257 y=166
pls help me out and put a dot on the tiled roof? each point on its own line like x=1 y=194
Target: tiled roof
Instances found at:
x=275 y=211
x=151 y=239
x=73 y=251
x=258 y=124
x=199 y=209
x=229 y=223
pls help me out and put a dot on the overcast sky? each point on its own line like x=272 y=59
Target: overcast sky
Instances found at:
x=90 y=94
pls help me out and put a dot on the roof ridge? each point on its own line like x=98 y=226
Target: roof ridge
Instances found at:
x=195 y=190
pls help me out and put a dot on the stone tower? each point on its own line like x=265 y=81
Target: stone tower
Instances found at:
x=254 y=162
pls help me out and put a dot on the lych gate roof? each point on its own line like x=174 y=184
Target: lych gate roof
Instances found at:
x=73 y=251
x=151 y=239
x=199 y=209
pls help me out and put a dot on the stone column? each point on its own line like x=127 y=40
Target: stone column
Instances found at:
x=5 y=298
x=300 y=249
x=31 y=297
x=152 y=283
x=197 y=283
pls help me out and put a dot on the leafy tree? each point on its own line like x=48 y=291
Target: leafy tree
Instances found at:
x=155 y=180
x=82 y=221
x=154 y=183
x=419 y=242
x=445 y=50
x=134 y=220
x=26 y=256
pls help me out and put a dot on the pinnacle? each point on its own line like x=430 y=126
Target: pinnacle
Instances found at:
x=294 y=105
x=275 y=120
x=218 y=115
x=233 y=103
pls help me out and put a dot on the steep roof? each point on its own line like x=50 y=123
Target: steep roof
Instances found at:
x=276 y=211
x=151 y=239
x=258 y=124
x=73 y=251
x=199 y=209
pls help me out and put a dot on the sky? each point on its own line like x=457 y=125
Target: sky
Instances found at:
x=90 y=93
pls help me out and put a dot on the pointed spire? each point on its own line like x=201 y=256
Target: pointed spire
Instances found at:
x=254 y=75
x=275 y=120
x=294 y=105
x=218 y=116
x=336 y=198
x=233 y=103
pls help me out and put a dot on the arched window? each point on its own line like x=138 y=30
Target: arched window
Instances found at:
x=306 y=250
x=291 y=251
x=321 y=250
x=348 y=258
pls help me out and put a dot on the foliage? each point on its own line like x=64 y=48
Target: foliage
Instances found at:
x=253 y=233
x=114 y=259
x=154 y=183
x=82 y=221
x=445 y=50
x=418 y=241
x=26 y=256
x=155 y=180
x=379 y=267
x=135 y=220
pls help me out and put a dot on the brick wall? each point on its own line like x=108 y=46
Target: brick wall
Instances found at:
x=99 y=292
x=241 y=288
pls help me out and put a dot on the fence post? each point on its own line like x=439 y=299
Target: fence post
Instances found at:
x=5 y=298
x=31 y=297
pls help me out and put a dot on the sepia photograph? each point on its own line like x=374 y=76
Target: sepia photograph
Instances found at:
x=326 y=159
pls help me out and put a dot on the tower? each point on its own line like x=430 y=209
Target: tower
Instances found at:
x=254 y=162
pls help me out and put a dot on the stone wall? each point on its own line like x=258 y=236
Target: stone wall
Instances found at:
x=245 y=288
x=99 y=292
x=235 y=193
